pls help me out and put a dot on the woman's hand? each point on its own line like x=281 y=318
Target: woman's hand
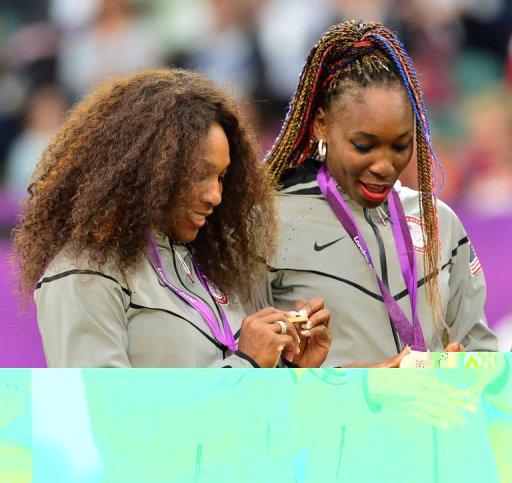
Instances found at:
x=454 y=347
x=315 y=336
x=391 y=362
x=395 y=360
x=261 y=338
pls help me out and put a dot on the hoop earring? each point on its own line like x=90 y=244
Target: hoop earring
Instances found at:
x=322 y=149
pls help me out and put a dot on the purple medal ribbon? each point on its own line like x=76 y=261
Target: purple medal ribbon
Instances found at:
x=410 y=334
x=199 y=305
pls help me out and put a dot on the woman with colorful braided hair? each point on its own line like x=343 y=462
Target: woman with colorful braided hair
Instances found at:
x=138 y=235
x=394 y=266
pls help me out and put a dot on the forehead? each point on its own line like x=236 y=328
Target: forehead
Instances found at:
x=372 y=109
x=214 y=150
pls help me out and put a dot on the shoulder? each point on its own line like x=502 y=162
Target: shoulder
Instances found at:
x=299 y=194
x=449 y=222
x=301 y=180
x=72 y=268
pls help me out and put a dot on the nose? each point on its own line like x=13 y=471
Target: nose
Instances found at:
x=383 y=168
x=212 y=193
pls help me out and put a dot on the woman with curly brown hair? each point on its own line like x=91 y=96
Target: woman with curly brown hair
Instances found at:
x=134 y=259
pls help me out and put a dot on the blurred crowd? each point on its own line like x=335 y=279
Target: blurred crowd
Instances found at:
x=52 y=52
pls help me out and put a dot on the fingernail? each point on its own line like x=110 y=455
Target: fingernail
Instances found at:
x=280 y=348
x=292 y=313
x=303 y=313
x=297 y=351
x=305 y=333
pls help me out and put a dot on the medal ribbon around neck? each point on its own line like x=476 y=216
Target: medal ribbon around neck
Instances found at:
x=410 y=334
x=226 y=338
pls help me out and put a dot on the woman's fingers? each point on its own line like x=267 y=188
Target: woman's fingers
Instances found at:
x=264 y=312
x=454 y=347
x=290 y=329
x=299 y=304
x=321 y=317
x=311 y=306
x=286 y=346
x=320 y=331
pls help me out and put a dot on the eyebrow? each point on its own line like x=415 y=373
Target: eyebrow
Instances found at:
x=210 y=167
x=374 y=137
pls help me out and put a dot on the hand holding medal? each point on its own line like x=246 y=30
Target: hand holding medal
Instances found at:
x=312 y=322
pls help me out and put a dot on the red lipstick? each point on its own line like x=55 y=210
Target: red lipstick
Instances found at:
x=374 y=193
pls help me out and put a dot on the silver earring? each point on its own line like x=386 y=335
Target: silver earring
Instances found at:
x=322 y=149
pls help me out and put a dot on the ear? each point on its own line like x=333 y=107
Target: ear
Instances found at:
x=319 y=124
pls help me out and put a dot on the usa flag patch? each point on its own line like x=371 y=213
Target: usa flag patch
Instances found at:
x=474 y=262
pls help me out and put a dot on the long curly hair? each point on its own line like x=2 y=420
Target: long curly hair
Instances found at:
x=124 y=160
x=363 y=54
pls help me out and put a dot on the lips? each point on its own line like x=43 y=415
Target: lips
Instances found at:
x=198 y=219
x=374 y=192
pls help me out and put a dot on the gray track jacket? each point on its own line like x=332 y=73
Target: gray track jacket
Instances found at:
x=93 y=317
x=316 y=257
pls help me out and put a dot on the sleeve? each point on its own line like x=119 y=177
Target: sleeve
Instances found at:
x=465 y=310
x=82 y=319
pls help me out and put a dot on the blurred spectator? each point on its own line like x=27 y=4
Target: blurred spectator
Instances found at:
x=44 y=113
x=227 y=52
x=487 y=179
x=286 y=31
x=118 y=39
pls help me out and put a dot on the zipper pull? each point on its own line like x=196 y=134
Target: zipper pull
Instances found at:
x=184 y=265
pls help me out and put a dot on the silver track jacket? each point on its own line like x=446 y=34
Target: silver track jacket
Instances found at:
x=93 y=316
x=315 y=256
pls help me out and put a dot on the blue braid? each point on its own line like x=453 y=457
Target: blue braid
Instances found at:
x=424 y=126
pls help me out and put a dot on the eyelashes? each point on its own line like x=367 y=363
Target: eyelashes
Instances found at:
x=401 y=147
x=362 y=148
x=366 y=148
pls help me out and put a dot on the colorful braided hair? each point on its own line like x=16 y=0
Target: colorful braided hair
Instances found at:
x=363 y=54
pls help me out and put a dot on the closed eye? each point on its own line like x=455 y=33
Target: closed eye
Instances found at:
x=222 y=177
x=362 y=148
x=401 y=147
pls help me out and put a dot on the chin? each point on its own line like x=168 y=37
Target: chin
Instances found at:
x=188 y=237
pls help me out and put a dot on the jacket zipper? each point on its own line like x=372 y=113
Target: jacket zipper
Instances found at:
x=383 y=266
x=191 y=291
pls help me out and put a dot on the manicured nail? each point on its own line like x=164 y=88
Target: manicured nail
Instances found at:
x=305 y=333
x=303 y=313
x=292 y=313
x=297 y=351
